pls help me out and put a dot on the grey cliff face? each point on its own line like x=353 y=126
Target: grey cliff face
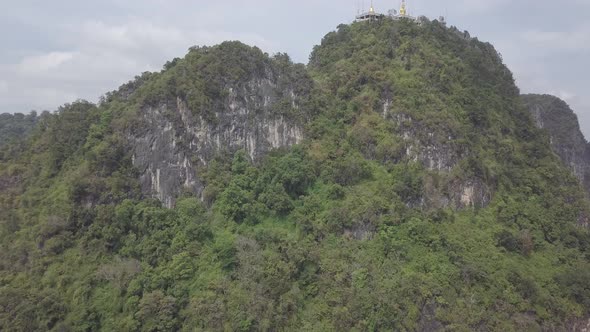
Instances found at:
x=437 y=150
x=176 y=143
x=567 y=141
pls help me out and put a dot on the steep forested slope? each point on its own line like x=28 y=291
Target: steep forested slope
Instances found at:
x=416 y=194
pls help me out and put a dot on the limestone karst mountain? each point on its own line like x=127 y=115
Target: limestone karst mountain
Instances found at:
x=567 y=141
x=396 y=182
x=251 y=102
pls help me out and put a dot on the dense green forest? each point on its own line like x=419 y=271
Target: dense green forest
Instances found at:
x=17 y=126
x=344 y=231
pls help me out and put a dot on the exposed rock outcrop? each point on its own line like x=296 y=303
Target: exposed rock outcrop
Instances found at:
x=176 y=141
x=435 y=149
x=567 y=141
x=438 y=151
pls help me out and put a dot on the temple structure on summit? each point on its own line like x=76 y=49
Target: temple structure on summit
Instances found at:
x=371 y=15
x=402 y=13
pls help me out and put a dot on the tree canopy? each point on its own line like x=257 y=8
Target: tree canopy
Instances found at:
x=349 y=230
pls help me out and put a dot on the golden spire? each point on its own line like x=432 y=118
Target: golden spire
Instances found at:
x=372 y=10
x=402 y=10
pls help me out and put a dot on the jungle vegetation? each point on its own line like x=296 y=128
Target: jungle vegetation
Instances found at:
x=339 y=233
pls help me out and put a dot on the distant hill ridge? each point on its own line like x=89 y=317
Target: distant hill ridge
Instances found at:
x=568 y=142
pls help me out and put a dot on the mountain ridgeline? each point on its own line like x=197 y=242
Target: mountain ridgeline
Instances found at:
x=396 y=182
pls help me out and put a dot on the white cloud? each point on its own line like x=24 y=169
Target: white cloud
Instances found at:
x=148 y=40
x=576 y=39
x=51 y=96
x=101 y=57
x=479 y=6
x=131 y=36
x=567 y=96
x=115 y=53
x=3 y=86
x=44 y=62
x=582 y=2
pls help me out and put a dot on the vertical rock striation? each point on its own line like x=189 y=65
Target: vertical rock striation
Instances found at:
x=261 y=112
x=567 y=141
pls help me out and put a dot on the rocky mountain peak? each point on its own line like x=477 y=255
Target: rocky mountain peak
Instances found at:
x=561 y=124
x=248 y=101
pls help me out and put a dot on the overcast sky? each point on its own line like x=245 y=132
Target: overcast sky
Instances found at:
x=57 y=51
